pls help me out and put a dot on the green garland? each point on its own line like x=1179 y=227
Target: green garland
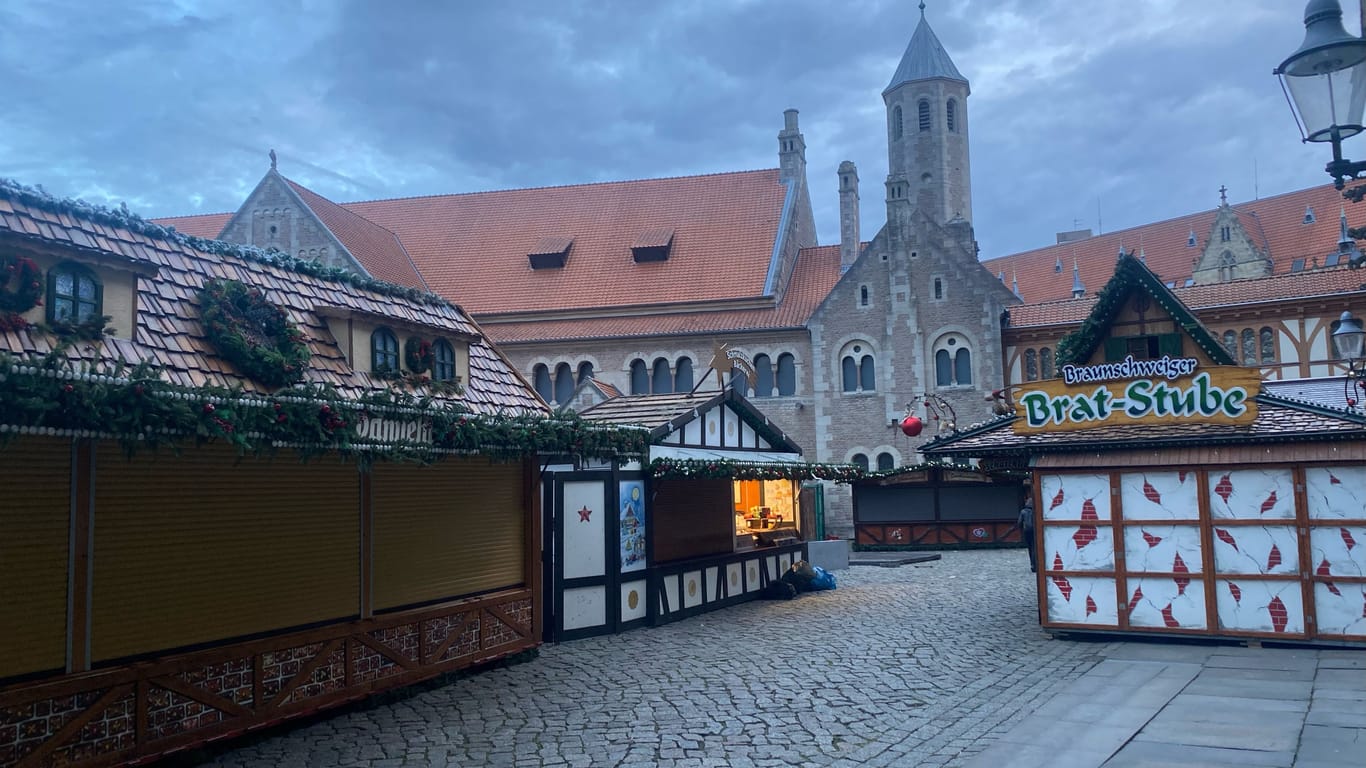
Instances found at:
x=26 y=279
x=418 y=355
x=134 y=405
x=737 y=470
x=254 y=335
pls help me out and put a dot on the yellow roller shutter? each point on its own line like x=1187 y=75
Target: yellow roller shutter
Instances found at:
x=35 y=509
x=202 y=547
x=454 y=528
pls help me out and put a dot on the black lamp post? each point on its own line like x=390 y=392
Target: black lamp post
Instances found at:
x=1325 y=83
x=1350 y=339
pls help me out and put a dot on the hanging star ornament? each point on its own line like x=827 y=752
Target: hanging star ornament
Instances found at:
x=584 y=513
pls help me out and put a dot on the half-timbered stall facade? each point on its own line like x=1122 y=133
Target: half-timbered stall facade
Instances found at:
x=717 y=513
x=1174 y=494
x=170 y=570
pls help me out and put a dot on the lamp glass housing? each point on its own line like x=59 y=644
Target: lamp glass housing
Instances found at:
x=1350 y=339
x=1326 y=78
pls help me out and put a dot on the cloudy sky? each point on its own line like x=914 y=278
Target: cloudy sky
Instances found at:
x=1083 y=114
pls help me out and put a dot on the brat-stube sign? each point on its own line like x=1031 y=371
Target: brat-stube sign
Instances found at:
x=1167 y=390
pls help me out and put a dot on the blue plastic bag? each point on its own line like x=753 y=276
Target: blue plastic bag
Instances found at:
x=824 y=579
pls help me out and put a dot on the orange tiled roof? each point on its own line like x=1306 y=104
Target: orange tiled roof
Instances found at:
x=169 y=330
x=473 y=248
x=1283 y=287
x=376 y=248
x=815 y=273
x=206 y=225
x=1278 y=221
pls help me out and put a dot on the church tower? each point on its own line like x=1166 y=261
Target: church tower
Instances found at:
x=927 y=131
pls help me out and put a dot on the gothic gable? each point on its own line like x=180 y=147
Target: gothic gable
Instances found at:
x=274 y=216
x=1234 y=250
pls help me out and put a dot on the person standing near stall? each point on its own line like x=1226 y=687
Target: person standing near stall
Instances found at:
x=1026 y=526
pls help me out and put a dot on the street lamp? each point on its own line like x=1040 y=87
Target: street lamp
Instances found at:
x=1325 y=84
x=1350 y=338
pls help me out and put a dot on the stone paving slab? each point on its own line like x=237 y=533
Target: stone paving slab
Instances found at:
x=939 y=664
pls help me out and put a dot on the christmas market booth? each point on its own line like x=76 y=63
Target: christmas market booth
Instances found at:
x=717 y=513
x=1176 y=496
x=243 y=487
x=938 y=505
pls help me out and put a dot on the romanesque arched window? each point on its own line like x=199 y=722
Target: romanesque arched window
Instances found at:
x=564 y=383
x=683 y=375
x=1249 y=347
x=787 y=375
x=540 y=379
x=867 y=374
x=1231 y=343
x=861 y=459
x=943 y=368
x=858 y=370
x=924 y=115
x=949 y=112
x=962 y=367
x=763 y=376
x=885 y=461
x=585 y=371
x=661 y=378
x=1267 y=337
x=1031 y=365
x=896 y=122
x=640 y=377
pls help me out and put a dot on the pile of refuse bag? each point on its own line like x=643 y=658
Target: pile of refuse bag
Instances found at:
x=801 y=577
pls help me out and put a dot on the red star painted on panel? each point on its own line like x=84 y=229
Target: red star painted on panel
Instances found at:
x=584 y=513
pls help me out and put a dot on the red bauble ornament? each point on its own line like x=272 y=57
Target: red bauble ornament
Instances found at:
x=911 y=426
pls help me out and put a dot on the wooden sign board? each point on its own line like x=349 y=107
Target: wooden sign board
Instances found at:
x=1164 y=391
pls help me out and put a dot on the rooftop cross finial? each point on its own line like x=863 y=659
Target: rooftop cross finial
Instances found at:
x=272 y=159
x=1223 y=195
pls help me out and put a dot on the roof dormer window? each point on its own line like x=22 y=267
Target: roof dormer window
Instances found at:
x=74 y=295
x=653 y=245
x=550 y=252
x=1308 y=215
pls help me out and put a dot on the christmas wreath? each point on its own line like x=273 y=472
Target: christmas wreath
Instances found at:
x=417 y=354
x=251 y=333
x=21 y=284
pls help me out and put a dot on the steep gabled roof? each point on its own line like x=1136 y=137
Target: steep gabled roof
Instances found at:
x=1132 y=275
x=473 y=248
x=376 y=248
x=1275 y=223
x=925 y=59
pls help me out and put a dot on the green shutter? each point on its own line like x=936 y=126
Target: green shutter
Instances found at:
x=1115 y=350
x=1169 y=344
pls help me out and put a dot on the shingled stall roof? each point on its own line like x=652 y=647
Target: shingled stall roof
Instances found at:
x=1279 y=221
x=667 y=413
x=171 y=337
x=816 y=272
x=1278 y=421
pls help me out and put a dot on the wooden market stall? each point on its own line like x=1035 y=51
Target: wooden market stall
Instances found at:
x=938 y=504
x=1174 y=495
x=172 y=571
x=716 y=514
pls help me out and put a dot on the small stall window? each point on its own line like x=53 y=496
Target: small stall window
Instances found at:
x=383 y=351
x=443 y=361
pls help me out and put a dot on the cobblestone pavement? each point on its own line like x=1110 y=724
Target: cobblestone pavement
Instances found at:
x=921 y=665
